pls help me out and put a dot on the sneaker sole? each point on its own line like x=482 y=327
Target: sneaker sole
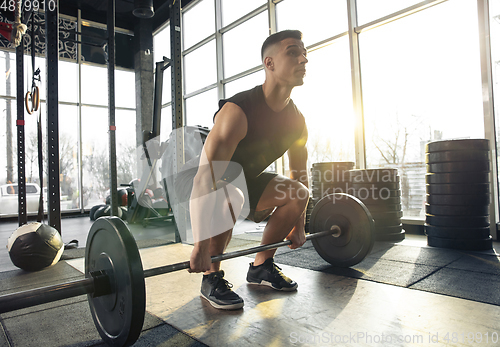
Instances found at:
x=223 y=307
x=269 y=284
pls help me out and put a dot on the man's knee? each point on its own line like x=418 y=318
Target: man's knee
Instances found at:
x=235 y=196
x=298 y=192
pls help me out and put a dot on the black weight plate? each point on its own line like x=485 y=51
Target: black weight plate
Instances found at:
x=357 y=226
x=372 y=193
x=324 y=186
x=367 y=180
x=331 y=176
x=396 y=237
x=457 y=221
x=457 y=145
x=447 y=210
x=461 y=166
x=369 y=201
x=458 y=177
x=118 y=316
x=383 y=208
x=375 y=185
x=386 y=215
x=374 y=175
x=457 y=232
x=450 y=156
x=459 y=200
x=318 y=194
x=452 y=189
x=392 y=229
x=387 y=222
x=463 y=244
x=334 y=165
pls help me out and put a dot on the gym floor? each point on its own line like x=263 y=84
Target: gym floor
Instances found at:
x=404 y=294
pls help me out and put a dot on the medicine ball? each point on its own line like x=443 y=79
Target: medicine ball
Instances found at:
x=35 y=246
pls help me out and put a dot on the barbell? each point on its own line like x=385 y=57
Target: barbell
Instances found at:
x=341 y=230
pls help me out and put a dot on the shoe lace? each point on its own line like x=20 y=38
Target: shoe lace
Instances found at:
x=223 y=284
x=275 y=269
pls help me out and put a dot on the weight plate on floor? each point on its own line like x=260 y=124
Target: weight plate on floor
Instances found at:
x=374 y=194
x=457 y=145
x=118 y=316
x=393 y=229
x=448 y=210
x=463 y=166
x=357 y=226
x=332 y=166
x=386 y=215
x=324 y=186
x=480 y=233
x=376 y=186
x=458 y=200
x=458 y=221
x=452 y=189
x=331 y=176
x=463 y=244
x=374 y=175
x=383 y=208
x=387 y=222
x=369 y=201
x=457 y=177
x=450 y=156
x=396 y=237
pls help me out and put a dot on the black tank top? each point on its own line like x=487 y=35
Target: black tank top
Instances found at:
x=269 y=134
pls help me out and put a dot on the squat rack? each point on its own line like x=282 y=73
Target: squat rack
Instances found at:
x=52 y=56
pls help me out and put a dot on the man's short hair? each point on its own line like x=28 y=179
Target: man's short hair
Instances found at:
x=278 y=37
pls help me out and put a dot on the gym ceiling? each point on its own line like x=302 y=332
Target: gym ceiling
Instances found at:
x=95 y=10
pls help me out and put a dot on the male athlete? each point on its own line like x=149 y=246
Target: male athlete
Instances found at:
x=253 y=129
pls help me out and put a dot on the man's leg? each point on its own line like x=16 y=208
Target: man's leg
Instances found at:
x=229 y=204
x=214 y=288
x=290 y=199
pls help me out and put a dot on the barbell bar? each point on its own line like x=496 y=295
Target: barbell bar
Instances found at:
x=341 y=232
x=98 y=283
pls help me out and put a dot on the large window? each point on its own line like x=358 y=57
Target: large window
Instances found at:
x=323 y=20
x=242 y=45
x=233 y=10
x=369 y=10
x=421 y=82
x=200 y=109
x=420 y=75
x=325 y=99
x=198 y=22
x=200 y=67
x=245 y=83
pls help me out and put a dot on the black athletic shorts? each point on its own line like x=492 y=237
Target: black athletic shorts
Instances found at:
x=255 y=188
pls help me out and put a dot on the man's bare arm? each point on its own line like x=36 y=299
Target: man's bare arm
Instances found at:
x=297 y=159
x=229 y=129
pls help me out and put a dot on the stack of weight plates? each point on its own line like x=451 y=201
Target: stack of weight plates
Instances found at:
x=309 y=209
x=458 y=196
x=329 y=178
x=380 y=191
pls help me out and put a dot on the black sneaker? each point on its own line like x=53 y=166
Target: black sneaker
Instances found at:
x=218 y=292
x=269 y=274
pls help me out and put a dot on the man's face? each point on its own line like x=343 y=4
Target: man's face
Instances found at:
x=289 y=62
